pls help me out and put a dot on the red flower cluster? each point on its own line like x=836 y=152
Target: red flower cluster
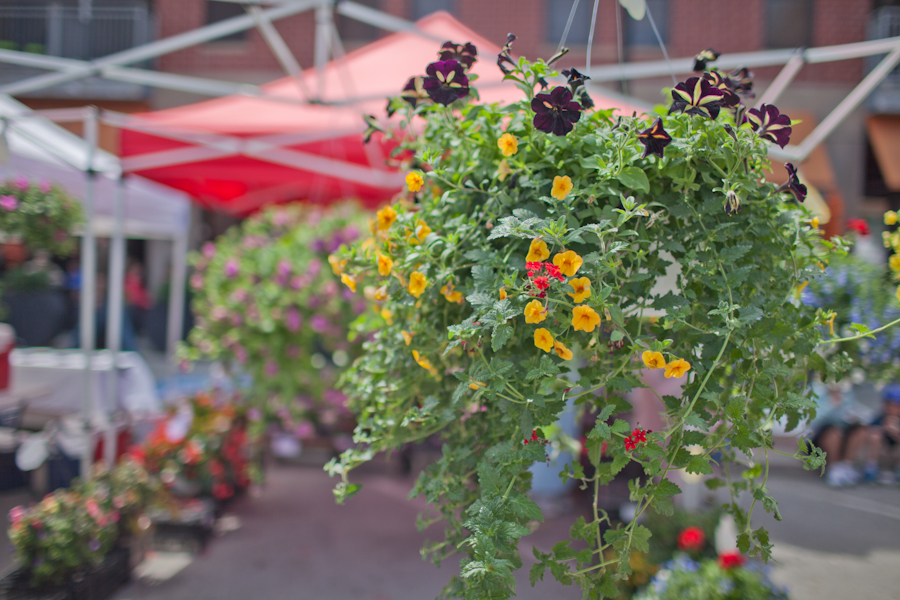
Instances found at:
x=542 y=282
x=859 y=226
x=637 y=436
x=730 y=560
x=534 y=437
x=691 y=539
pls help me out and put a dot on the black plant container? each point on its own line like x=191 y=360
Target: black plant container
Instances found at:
x=98 y=583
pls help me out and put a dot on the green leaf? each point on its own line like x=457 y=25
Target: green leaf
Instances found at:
x=502 y=333
x=525 y=508
x=634 y=178
x=640 y=539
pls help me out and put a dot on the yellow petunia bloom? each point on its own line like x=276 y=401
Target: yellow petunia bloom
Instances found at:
x=475 y=385
x=568 y=262
x=653 y=360
x=894 y=262
x=890 y=218
x=417 y=284
x=508 y=144
x=830 y=321
x=503 y=293
x=407 y=337
x=535 y=312
x=543 y=339
x=384 y=218
x=385 y=264
x=414 y=181
x=563 y=352
x=451 y=295
x=337 y=265
x=537 y=251
x=582 y=287
x=585 y=318
x=503 y=170
x=381 y=293
x=677 y=368
x=349 y=281
x=885 y=237
x=814 y=223
x=561 y=187
x=423 y=362
x=387 y=316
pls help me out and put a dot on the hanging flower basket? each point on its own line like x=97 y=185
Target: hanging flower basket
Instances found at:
x=39 y=215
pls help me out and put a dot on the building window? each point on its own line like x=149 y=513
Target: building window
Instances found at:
x=423 y=8
x=640 y=33
x=353 y=31
x=220 y=11
x=557 y=15
x=789 y=23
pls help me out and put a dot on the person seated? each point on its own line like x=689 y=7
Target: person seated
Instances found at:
x=884 y=438
x=839 y=432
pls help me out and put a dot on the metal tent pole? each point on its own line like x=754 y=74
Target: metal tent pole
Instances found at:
x=175 y=323
x=88 y=291
x=115 y=312
x=324 y=17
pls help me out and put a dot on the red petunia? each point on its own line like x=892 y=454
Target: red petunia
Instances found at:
x=730 y=560
x=860 y=226
x=691 y=539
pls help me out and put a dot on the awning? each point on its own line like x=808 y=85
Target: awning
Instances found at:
x=884 y=135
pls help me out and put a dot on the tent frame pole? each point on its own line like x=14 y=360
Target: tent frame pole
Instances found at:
x=115 y=314
x=279 y=48
x=87 y=328
x=177 y=292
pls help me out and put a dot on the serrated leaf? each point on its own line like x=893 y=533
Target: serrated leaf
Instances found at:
x=502 y=333
x=525 y=508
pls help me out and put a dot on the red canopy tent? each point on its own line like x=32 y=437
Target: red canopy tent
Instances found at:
x=239 y=153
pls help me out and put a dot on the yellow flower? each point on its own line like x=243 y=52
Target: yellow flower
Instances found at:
x=814 y=223
x=563 y=352
x=535 y=312
x=387 y=316
x=503 y=293
x=582 y=287
x=419 y=235
x=337 y=265
x=897 y=293
x=561 y=187
x=830 y=321
x=385 y=217
x=503 y=170
x=407 y=336
x=414 y=181
x=476 y=385
x=508 y=144
x=568 y=262
x=885 y=237
x=385 y=264
x=451 y=295
x=537 y=251
x=417 y=284
x=677 y=368
x=890 y=218
x=653 y=360
x=381 y=293
x=423 y=362
x=585 y=318
x=349 y=281
x=543 y=339
x=894 y=262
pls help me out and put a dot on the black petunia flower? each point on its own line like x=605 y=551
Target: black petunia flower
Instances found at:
x=732 y=202
x=574 y=78
x=654 y=139
x=466 y=54
x=446 y=81
x=793 y=184
x=741 y=81
x=414 y=90
x=707 y=56
x=585 y=99
x=770 y=124
x=723 y=84
x=504 y=56
x=555 y=112
x=697 y=96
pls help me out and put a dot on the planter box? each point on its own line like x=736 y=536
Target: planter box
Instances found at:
x=186 y=529
x=98 y=583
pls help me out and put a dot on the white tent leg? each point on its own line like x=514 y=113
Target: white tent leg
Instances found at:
x=324 y=17
x=115 y=305
x=175 y=323
x=87 y=325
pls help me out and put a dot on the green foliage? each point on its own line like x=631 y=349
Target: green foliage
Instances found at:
x=40 y=214
x=479 y=375
x=682 y=578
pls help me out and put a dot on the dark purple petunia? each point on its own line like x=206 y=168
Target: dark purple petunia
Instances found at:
x=706 y=56
x=741 y=81
x=723 y=84
x=555 y=112
x=574 y=79
x=504 y=55
x=697 y=96
x=585 y=99
x=446 y=81
x=770 y=124
x=466 y=54
x=654 y=139
x=793 y=184
x=732 y=202
x=414 y=91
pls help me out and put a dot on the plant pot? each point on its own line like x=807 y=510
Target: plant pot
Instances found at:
x=14 y=253
x=184 y=529
x=97 y=583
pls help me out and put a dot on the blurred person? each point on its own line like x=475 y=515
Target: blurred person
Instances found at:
x=884 y=437
x=137 y=298
x=838 y=430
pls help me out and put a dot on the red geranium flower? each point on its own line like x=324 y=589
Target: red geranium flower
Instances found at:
x=859 y=226
x=730 y=560
x=691 y=539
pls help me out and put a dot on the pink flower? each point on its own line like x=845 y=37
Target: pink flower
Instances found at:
x=22 y=182
x=271 y=368
x=293 y=319
x=9 y=203
x=45 y=186
x=16 y=514
x=209 y=249
x=304 y=430
x=93 y=509
x=231 y=267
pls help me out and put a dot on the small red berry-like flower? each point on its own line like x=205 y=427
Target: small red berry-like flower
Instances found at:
x=639 y=435
x=859 y=226
x=730 y=560
x=553 y=271
x=691 y=539
x=630 y=444
x=541 y=283
x=532 y=267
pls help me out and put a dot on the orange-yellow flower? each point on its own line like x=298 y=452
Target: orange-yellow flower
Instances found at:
x=423 y=362
x=894 y=262
x=417 y=284
x=543 y=339
x=677 y=368
x=476 y=385
x=653 y=360
x=890 y=218
x=814 y=223
x=407 y=336
x=537 y=251
x=337 y=265
x=381 y=293
x=384 y=218
x=563 y=352
x=422 y=230
x=503 y=293
x=535 y=312
x=582 y=287
x=349 y=281
x=503 y=170
x=414 y=181
x=830 y=321
x=450 y=294
x=568 y=262
x=385 y=264
x=508 y=144
x=585 y=318
x=561 y=187
x=387 y=316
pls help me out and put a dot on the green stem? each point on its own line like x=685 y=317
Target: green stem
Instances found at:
x=861 y=335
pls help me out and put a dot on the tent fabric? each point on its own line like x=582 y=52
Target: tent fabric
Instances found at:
x=884 y=135
x=257 y=151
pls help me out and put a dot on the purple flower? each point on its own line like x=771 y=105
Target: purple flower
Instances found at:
x=254 y=414
x=414 y=91
x=240 y=354
x=293 y=319
x=297 y=282
x=209 y=249
x=697 y=96
x=466 y=54
x=654 y=139
x=313 y=302
x=793 y=184
x=723 y=84
x=293 y=351
x=770 y=124
x=318 y=323
x=45 y=186
x=741 y=81
x=22 y=182
x=304 y=430
x=313 y=268
x=446 y=81
x=504 y=55
x=239 y=295
x=94 y=545
x=706 y=56
x=574 y=79
x=232 y=267
x=555 y=112
x=318 y=245
x=9 y=203
x=271 y=368
x=284 y=268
